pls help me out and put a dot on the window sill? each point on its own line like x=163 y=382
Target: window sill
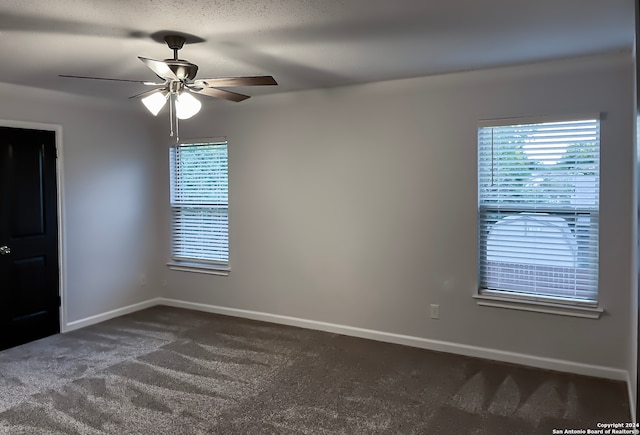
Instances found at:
x=209 y=269
x=538 y=306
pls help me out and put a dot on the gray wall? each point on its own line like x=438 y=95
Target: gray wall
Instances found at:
x=357 y=206
x=108 y=195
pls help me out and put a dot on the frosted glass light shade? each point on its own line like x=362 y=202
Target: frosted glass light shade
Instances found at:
x=187 y=105
x=155 y=102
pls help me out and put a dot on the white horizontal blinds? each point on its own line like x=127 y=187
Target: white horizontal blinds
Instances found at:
x=538 y=197
x=200 y=202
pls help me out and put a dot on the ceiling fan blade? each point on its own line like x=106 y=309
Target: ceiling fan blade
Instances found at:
x=145 y=93
x=159 y=67
x=237 y=81
x=113 y=80
x=219 y=93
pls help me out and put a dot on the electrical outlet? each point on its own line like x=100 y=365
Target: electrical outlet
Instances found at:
x=434 y=311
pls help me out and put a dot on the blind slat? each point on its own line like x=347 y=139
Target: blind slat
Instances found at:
x=538 y=196
x=199 y=200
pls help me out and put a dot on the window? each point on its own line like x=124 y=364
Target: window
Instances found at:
x=538 y=196
x=200 y=205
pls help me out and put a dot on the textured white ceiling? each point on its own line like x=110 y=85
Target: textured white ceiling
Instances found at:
x=304 y=44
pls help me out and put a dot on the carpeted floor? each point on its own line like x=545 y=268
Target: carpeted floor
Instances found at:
x=173 y=371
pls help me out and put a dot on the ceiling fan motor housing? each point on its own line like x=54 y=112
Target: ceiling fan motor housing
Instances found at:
x=183 y=69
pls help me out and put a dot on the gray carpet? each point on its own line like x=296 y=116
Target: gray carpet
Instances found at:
x=173 y=371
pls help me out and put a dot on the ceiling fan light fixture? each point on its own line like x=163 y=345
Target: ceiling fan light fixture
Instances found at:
x=155 y=102
x=187 y=105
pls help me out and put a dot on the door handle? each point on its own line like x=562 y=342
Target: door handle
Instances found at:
x=5 y=250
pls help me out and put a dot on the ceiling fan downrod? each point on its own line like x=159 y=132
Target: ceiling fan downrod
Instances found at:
x=175 y=43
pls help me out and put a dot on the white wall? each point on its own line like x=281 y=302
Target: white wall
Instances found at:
x=357 y=206
x=108 y=195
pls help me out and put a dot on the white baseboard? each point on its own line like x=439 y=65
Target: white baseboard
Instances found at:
x=407 y=340
x=424 y=343
x=632 y=399
x=388 y=337
x=76 y=324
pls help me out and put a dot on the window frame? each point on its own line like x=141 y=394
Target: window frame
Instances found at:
x=521 y=300
x=187 y=264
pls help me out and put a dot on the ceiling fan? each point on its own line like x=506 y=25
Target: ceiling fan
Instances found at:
x=179 y=82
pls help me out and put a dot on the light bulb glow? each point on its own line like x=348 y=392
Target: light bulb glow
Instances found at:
x=187 y=105
x=155 y=102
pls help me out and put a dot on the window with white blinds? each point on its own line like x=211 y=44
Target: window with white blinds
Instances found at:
x=200 y=202
x=538 y=195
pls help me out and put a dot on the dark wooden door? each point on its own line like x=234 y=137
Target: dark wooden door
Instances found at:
x=29 y=294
